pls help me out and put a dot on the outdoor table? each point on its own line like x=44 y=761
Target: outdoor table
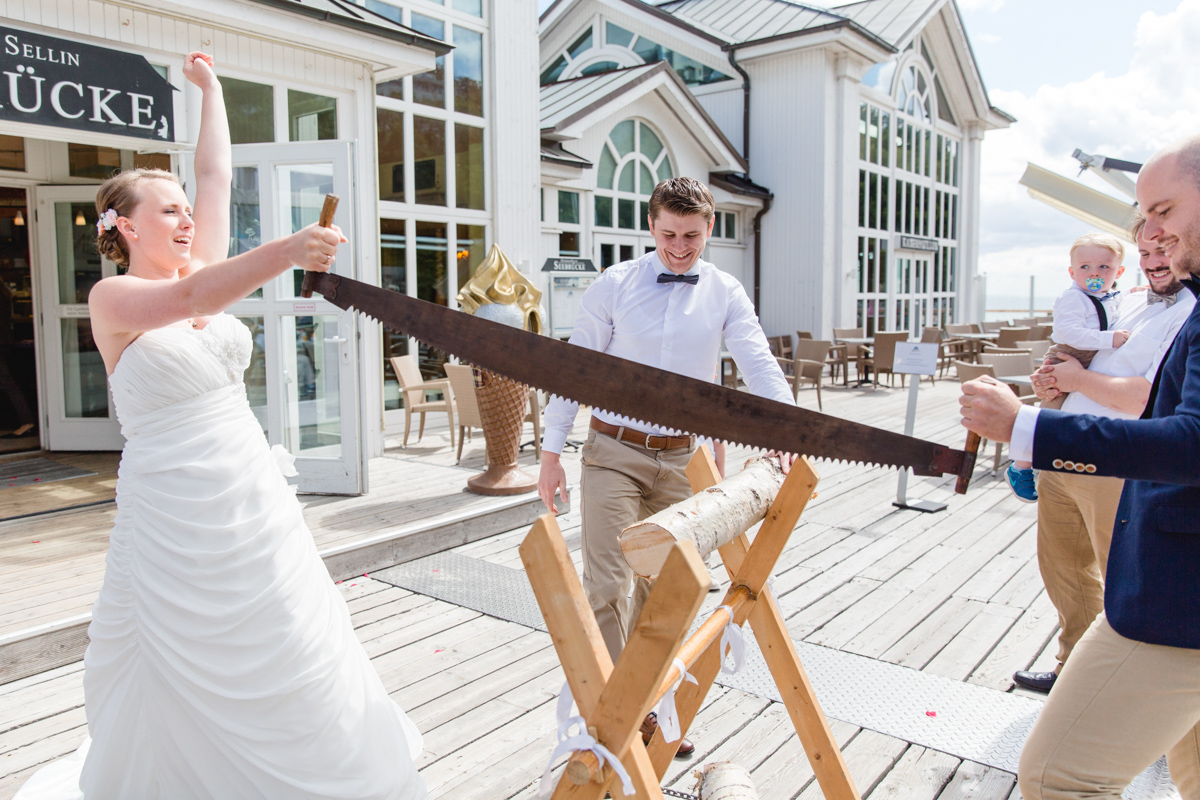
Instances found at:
x=856 y=340
x=727 y=358
x=1015 y=380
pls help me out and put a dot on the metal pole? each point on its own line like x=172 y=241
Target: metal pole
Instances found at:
x=910 y=420
x=1032 y=312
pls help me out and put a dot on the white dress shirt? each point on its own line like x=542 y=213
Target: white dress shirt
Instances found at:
x=1152 y=328
x=1076 y=323
x=672 y=326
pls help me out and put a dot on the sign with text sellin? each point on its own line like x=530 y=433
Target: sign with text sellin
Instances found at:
x=65 y=84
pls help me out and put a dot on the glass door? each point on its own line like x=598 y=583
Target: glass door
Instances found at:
x=78 y=408
x=616 y=248
x=303 y=378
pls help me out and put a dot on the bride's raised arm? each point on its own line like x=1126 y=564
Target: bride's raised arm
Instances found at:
x=213 y=167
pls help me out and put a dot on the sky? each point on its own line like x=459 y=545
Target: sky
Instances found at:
x=1110 y=77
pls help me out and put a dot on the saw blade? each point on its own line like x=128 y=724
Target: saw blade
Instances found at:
x=646 y=394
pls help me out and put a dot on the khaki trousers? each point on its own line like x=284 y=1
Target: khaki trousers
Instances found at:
x=1117 y=706
x=620 y=485
x=1075 y=525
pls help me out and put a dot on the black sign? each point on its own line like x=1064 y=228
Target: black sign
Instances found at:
x=917 y=243
x=569 y=265
x=64 y=84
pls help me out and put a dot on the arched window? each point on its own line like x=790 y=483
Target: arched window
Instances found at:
x=587 y=55
x=632 y=161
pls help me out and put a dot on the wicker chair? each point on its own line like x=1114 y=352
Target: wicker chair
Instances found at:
x=883 y=356
x=808 y=366
x=413 y=389
x=462 y=384
x=841 y=352
x=1008 y=337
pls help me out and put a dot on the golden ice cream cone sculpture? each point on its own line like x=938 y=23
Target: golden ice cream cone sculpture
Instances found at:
x=499 y=292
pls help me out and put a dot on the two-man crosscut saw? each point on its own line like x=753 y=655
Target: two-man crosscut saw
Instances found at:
x=646 y=394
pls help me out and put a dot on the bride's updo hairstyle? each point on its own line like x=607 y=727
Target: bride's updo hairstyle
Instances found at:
x=120 y=194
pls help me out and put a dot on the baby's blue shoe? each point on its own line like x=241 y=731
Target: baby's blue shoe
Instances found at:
x=1022 y=483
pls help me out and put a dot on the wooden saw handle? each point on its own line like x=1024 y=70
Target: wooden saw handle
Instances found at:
x=972 y=450
x=326 y=219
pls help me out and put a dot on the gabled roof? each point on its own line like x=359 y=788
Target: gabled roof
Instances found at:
x=740 y=22
x=569 y=107
x=349 y=15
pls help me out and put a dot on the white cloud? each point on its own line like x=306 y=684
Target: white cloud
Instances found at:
x=1128 y=116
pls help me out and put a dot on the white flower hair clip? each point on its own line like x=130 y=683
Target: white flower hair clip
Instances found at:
x=107 y=221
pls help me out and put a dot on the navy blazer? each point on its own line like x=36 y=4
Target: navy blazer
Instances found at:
x=1152 y=589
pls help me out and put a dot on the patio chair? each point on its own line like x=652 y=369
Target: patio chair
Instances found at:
x=1008 y=337
x=841 y=352
x=957 y=330
x=992 y=327
x=948 y=349
x=1040 y=332
x=969 y=372
x=804 y=335
x=1005 y=364
x=462 y=385
x=808 y=366
x=883 y=356
x=413 y=390
x=781 y=346
x=1037 y=349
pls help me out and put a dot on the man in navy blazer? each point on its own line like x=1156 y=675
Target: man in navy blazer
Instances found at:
x=1131 y=690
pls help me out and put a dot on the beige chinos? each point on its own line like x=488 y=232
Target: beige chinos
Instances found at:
x=620 y=485
x=1117 y=706
x=1076 y=514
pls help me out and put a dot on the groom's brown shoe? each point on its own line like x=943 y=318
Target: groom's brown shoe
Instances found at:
x=650 y=725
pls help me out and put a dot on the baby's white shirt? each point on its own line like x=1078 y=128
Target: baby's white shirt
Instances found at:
x=1076 y=323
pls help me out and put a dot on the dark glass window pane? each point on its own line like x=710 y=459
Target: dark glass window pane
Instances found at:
x=644 y=215
x=468 y=166
x=647 y=180
x=716 y=230
x=429 y=88
x=471 y=251
x=152 y=161
x=622 y=137
x=90 y=161
x=568 y=244
x=604 y=212
x=393 y=277
x=730 y=226
x=664 y=170
x=432 y=286
x=468 y=71
x=311 y=117
x=393 y=89
x=626 y=183
x=626 y=211
x=385 y=10
x=617 y=35
x=429 y=161
x=580 y=45
x=390 y=135
x=626 y=253
x=568 y=207
x=12 y=153
x=251 y=111
x=607 y=256
x=598 y=67
x=606 y=169
x=648 y=50
x=554 y=70
x=651 y=144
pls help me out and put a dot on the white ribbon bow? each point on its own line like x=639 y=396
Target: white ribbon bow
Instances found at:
x=569 y=742
x=732 y=636
x=668 y=715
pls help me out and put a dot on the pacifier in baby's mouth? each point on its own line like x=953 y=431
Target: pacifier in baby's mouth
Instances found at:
x=1094 y=284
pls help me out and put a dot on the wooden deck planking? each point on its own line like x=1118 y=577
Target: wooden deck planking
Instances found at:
x=482 y=690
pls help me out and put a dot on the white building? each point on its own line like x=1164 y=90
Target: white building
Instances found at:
x=430 y=170
x=864 y=121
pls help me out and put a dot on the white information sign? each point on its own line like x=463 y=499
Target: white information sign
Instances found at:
x=915 y=358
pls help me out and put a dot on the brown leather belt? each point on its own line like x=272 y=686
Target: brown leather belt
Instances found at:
x=650 y=441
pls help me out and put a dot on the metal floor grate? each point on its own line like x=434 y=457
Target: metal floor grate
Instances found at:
x=32 y=471
x=965 y=720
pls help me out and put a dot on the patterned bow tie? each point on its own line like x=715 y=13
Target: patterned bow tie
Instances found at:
x=664 y=277
x=1107 y=296
x=1166 y=299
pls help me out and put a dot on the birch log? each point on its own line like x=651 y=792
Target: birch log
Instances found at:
x=709 y=519
x=725 y=780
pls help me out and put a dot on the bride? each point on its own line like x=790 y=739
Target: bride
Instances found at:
x=222 y=661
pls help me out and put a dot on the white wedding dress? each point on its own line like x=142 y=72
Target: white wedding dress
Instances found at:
x=222 y=661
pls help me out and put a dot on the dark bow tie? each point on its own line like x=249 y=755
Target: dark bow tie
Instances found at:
x=1166 y=299
x=670 y=277
x=1107 y=296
